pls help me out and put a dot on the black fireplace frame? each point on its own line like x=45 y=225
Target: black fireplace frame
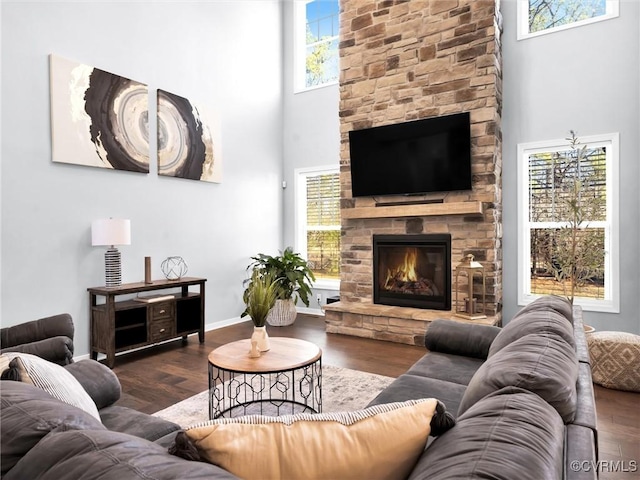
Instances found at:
x=442 y=302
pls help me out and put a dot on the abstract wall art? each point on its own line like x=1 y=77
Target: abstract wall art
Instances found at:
x=98 y=119
x=185 y=142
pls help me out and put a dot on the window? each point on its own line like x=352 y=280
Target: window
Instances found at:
x=318 y=223
x=537 y=17
x=561 y=185
x=316 y=30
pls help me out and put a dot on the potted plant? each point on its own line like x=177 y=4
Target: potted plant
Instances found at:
x=293 y=278
x=259 y=298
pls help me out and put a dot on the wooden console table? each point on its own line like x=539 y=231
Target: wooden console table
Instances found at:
x=118 y=326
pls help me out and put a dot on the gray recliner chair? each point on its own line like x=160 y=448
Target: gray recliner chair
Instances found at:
x=50 y=338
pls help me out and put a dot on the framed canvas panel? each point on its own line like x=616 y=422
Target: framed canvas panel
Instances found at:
x=98 y=119
x=185 y=142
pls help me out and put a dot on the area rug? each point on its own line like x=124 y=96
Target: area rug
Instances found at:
x=343 y=389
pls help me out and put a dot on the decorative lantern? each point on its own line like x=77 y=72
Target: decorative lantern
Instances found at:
x=469 y=309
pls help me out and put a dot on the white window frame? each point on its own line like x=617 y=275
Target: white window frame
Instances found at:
x=300 y=49
x=300 y=192
x=611 y=302
x=612 y=11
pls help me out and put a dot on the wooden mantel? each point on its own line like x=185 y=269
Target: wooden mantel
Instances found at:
x=429 y=209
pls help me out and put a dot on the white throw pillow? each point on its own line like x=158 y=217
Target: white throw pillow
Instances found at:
x=54 y=380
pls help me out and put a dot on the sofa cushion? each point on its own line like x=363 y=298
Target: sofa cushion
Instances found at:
x=129 y=421
x=442 y=366
x=105 y=455
x=98 y=381
x=28 y=415
x=407 y=387
x=543 y=364
x=53 y=379
x=459 y=338
x=509 y=434
x=321 y=446
x=50 y=338
x=544 y=315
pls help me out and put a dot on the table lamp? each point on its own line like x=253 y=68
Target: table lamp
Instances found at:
x=111 y=232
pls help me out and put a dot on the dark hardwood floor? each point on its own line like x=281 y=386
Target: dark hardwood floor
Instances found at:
x=153 y=379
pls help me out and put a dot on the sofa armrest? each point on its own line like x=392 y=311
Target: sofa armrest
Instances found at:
x=55 y=349
x=457 y=338
x=55 y=326
x=581 y=458
x=99 y=381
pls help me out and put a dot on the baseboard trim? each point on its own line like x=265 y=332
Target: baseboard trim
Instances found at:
x=225 y=323
x=310 y=311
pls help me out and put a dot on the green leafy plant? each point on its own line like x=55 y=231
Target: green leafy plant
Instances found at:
x=290 y=272
x=259 y=297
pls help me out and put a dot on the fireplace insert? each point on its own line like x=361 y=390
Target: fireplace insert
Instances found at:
x=412 y=270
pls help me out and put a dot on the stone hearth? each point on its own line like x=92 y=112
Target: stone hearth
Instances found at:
x=402 y=61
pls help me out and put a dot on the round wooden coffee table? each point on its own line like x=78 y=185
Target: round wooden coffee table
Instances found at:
x=285 y=380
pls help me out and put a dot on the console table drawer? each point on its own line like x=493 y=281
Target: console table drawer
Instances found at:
x=162 y=330
x=161 y=311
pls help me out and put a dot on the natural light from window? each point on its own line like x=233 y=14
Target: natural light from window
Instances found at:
x=568 y=227
x=318 y=223
x=538 y=17
x=316 y=27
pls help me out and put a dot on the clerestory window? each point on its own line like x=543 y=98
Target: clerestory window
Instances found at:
x=538 y=17
x=316 y=39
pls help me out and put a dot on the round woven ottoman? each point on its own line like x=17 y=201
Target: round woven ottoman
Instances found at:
x=615 y=360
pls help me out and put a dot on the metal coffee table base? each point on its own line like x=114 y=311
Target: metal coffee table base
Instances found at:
x=282 y=392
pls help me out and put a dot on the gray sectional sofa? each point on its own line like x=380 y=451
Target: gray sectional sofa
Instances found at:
x=522 y=396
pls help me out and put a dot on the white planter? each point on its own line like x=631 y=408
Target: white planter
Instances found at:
x=283 y=313
x=261 y=337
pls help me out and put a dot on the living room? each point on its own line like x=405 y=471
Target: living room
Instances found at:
x=236 y=58
x=249 y=212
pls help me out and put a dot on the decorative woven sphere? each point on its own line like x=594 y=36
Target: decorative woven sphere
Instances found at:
x=174 y=268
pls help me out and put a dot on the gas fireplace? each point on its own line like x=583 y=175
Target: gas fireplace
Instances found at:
x=412 y=270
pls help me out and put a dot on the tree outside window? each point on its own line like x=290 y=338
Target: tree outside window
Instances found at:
x=321 y=27
x=545 y=16
x=569 y=228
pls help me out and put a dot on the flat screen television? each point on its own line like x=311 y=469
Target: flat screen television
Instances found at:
x=411 y=158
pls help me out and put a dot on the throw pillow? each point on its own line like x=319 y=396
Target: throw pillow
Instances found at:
x=54 y=380
x=4 y=363
x=379 y=442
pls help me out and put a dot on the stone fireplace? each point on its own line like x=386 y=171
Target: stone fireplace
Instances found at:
x=412 y=271
x=403 y=61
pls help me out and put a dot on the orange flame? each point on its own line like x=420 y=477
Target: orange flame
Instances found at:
x=405 y=272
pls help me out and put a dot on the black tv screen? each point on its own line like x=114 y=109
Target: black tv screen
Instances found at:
x=410 y=158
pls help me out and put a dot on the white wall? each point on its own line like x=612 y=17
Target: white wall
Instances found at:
x=224 y=54
x=584 y=79
x=311 y=133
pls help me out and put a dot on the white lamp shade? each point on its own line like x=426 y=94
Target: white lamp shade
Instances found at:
x=111 y=231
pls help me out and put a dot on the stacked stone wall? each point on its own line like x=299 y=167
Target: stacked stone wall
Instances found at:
x=409 y=60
